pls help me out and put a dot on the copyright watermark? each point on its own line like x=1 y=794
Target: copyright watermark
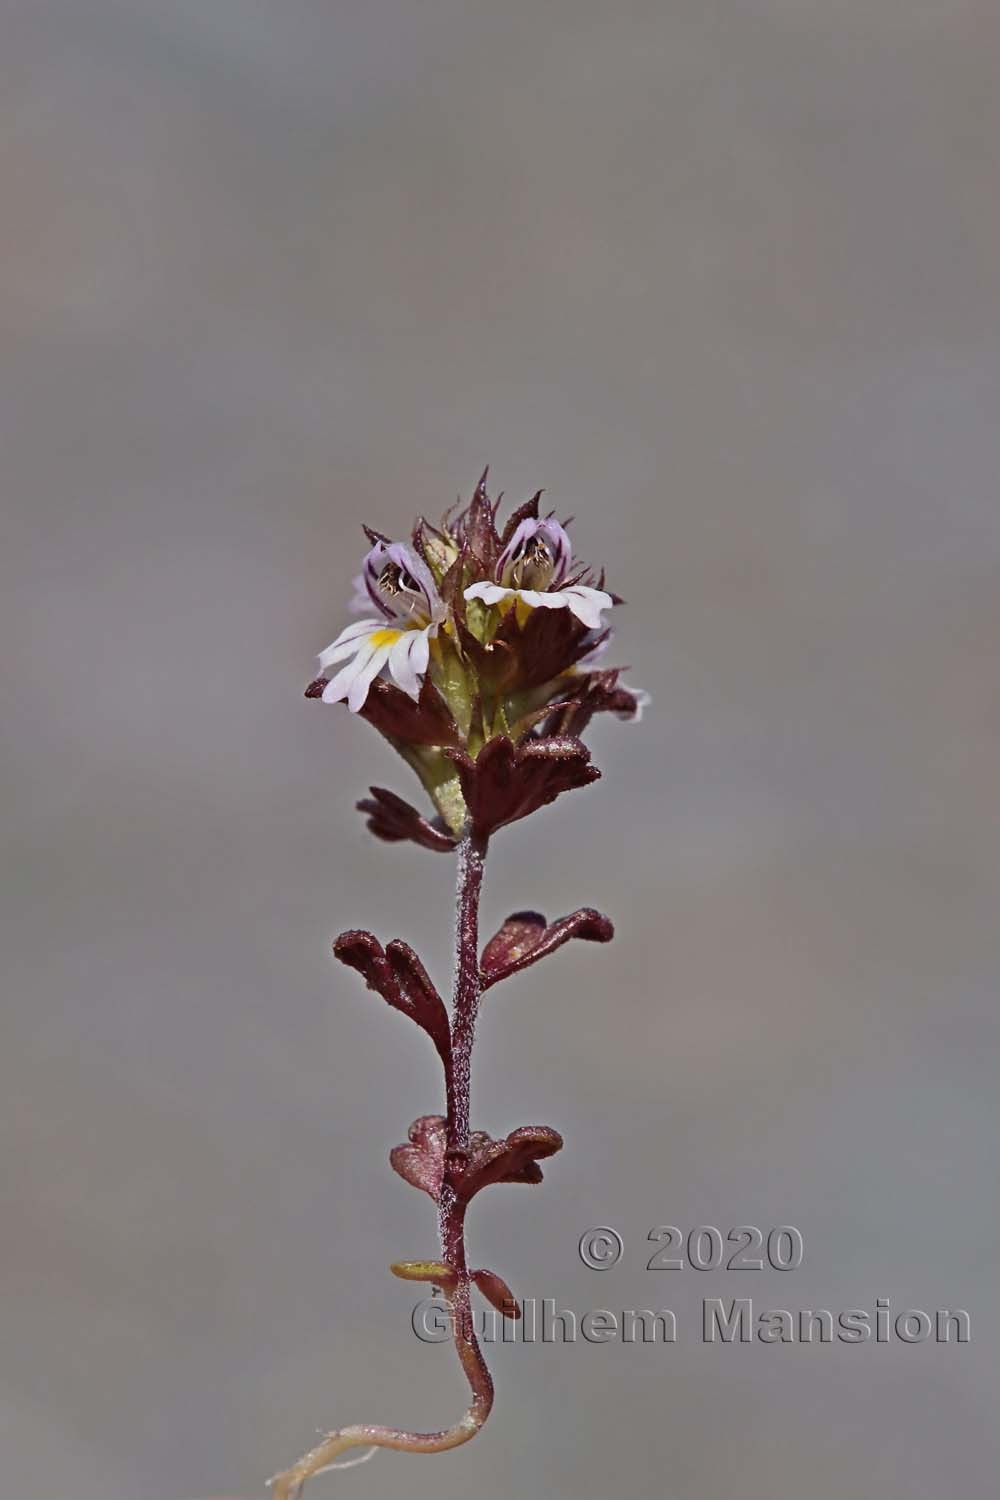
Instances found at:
x=540 y=1320
x=744 y=1247
x=601 y=1248
x=722 y=1320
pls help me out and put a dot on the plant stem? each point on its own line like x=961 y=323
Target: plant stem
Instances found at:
x=451 y=1212
x=471 y=859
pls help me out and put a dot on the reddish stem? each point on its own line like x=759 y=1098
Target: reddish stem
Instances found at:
x=471 y=859
x=451 y=1212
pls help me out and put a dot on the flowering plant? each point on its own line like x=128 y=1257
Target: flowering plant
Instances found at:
x=478 y=659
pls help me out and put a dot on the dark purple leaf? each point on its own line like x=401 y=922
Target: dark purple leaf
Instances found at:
x=399 y=977
x=391 y=818
x=596 y=692
x=425 y=1004
x=524 y=938
x=426 y=721
x=505 y=782
x=521 y=932
x=395 y=714
x=514 y=1159
x=526 y=512
x=477 y=529
x=421 y=1161
x=362 y=951
x=548 y=643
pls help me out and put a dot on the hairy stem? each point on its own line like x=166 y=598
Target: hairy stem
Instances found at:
x=471 y=859
x=451 y=1212
x=451 y=1215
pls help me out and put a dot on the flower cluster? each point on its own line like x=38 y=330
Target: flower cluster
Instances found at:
x=478 y=659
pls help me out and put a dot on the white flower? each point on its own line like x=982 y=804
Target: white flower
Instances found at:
x=372 y=645
x=539 y=554
x=401 y=586
x=585 y=603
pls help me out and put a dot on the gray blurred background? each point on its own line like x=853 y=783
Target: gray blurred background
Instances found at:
x=724 y=278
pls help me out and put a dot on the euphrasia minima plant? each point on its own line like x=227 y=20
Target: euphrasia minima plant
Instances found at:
x=478 y=660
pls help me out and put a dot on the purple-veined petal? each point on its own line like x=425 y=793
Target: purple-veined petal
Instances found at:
x=408 y=558
x=360 y=600
x=555 y=537
x=422 y=605
x=339 y=686
x=372 y=565
x=364 y=676
x=420 y=651
x=348 y=642
x=587 y=604
x=403 y=659
x=521 y=533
